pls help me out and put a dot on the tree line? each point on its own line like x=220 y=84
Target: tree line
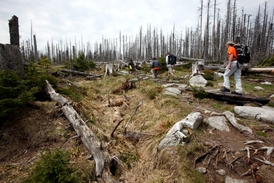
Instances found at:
x=207 y=41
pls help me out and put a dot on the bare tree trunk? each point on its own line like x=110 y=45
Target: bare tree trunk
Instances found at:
x=233 y=32
x=35 y=48
x=200 y=30
x=206 y=37
x=14 y=31
x=269 y=50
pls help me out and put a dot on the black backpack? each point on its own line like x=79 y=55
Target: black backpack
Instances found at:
x=243 y=53
x=172 y=59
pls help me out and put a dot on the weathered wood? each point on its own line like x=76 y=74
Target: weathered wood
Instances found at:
x=236 y=99
x=76 y=72
x=109 y=69
x=91 y=142
x=230 y=117
x=14 y=31
x=93 y=77
x=261 y=70
x=125 y=130
x=213 y=67
x=112 y=133
x=71 y=83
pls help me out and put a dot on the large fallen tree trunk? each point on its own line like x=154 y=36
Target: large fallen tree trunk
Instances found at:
x=88 y=138
x=77 y=73
x=236 y=99
x=261 y=70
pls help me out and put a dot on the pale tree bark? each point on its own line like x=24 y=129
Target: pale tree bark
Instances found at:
x=100 y=155
x=206 y=35
x=200 y=30
x=213 y=37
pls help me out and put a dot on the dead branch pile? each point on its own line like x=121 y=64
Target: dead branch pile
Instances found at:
x=127 y=85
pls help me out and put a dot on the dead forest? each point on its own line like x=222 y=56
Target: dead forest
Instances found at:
x=206 y=41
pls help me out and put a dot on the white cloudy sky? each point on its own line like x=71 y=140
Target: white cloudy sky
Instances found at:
x=89 y=20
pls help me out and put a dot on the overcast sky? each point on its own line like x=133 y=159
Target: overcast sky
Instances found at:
x=89 y=20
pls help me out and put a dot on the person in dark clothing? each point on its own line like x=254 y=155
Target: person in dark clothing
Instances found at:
x=155 y=66
x=131 y=66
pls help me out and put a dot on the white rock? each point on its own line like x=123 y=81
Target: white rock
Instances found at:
x=221 y=172
x=258 y=88
x=264 y=113
x=218 y=122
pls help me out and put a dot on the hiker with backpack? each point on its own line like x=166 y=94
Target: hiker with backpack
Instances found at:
x=170 y=63
x=233 y=67
x=131 y=66
x=155 y=67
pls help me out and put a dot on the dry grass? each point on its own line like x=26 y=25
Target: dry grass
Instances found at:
x=138 y=147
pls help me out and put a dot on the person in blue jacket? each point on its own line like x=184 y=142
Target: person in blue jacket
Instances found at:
x=155 y=65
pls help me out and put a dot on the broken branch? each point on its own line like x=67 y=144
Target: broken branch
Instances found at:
x=132 y=116
x=112 y=133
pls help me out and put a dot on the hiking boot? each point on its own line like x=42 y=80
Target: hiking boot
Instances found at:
x=224 y=89
x=234 y=92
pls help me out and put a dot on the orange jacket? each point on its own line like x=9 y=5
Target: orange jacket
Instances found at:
x=232 y=50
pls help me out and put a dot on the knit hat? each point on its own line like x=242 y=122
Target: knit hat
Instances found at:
x=230 y=43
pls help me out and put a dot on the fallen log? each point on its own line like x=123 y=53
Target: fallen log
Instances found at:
x=91 y=142
x=93 y=77
x=236 y=99
x=261 y=70
x=230 y=117
x=76 y=72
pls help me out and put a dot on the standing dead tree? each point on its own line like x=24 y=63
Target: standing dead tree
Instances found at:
x=14 y=31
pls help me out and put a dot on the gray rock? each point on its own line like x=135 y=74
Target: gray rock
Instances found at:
x=172 y=91
x=218 y=122
x=11 y=58
x=168 y=85
x=175 y=136
x=201 y=170
x=264 y=113
x=221 y=172
x=198 y=81
x=229 y=179
x=266 y=83
x=182 y=87
x=193 y=120
x=258 y=88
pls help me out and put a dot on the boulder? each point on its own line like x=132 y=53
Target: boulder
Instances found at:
x=218 y=122
x=11 y=58
x=229 y=179
x=175 y=135
x=265 y=114
x=198 y=81
x=172 y=91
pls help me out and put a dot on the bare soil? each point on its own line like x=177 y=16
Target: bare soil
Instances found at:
x=43 y=127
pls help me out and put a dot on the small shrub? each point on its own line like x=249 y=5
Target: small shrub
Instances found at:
x=74 y=94
x=81 y=63
x=199 y=93
x=53 y=167
x=209 y=75
x=260 y=133
x=209 y=83
x=15 y=93
x=128 y=158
